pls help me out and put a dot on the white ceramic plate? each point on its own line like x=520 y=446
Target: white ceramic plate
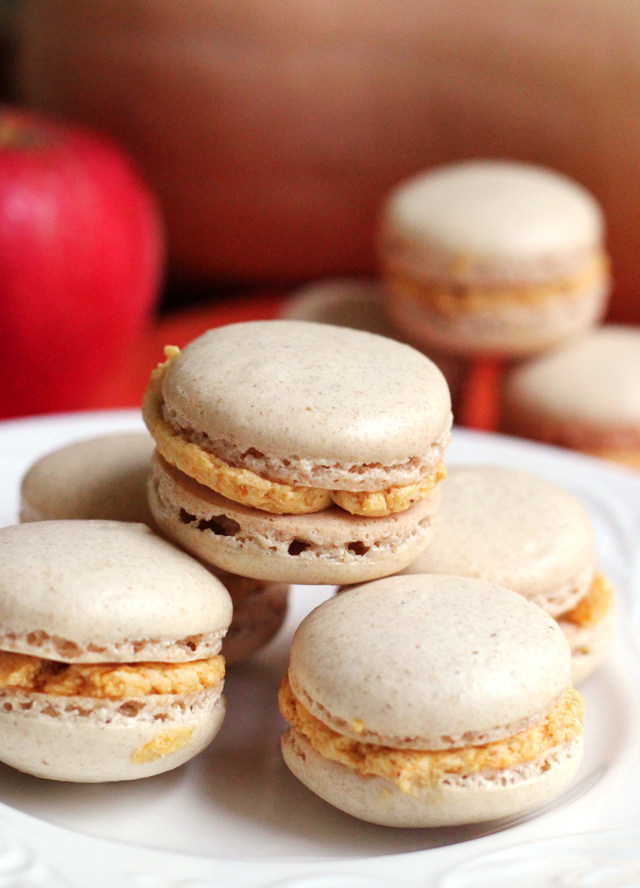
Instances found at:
x=235 y=818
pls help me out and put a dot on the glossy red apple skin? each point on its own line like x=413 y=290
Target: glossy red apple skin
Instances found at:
x=81 y=262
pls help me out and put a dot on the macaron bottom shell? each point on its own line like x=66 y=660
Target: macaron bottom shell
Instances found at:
x=516 y=328
x=330 y=547
x=81 y=740
x=467 y=799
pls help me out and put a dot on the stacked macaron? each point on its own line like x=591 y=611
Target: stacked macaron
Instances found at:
x=429 y=700
x=522 y=531
x=480 y=262
x=583 y=395
x=110 y=639
x=298 y=452
x=492 y=257
x=106 y=477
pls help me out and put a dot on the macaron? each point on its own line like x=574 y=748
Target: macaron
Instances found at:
x=345 y=302
x=584 y=395
x=110 y=638
x=520 y=530
x=493 y=257
x=291 y=417
x=106 y=477
x=408 y=707
x=99 y=477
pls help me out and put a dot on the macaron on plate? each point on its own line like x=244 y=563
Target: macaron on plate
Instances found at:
x=110 y=639
x=235 y=814
x=295 y=451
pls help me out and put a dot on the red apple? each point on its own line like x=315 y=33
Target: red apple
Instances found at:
x=81 y=260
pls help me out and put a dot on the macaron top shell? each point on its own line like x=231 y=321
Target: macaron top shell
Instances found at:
x=592 y=379
x=346 y=302
x=309 y=391
x=102 y=477
x=101 y=590
x=428 y=662
x=514 y=528
x=486 y=211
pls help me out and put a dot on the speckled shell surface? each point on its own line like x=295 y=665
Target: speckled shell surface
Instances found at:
x=103 y=477
x=305 y=390
x=103 y=583
x=512 y=527
x=424 y=661
x=487 y=220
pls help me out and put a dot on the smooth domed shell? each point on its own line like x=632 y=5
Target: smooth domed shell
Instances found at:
x=102 y=477
x=103 y=584
x=592 y=381
x=514 y=528
x=428 y=661
x=310 y=391
x=485 y=210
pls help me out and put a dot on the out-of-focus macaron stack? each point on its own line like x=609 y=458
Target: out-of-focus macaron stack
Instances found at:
x=584 y=395
x=493 y=258
x=498 y=270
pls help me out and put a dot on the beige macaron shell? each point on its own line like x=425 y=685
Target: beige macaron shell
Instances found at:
x=428 y=662
x=584 y=393
x=101 y=744
x=307 y=391
x=514 y=528
x=342 y=548
x=470 y=799
x=102 y=477
x=70 y=588
x=492 y=221
x=259 y=611
x=346 y=302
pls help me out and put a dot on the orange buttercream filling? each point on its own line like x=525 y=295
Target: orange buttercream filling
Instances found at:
x=107 y=680
x=450 y=300
x=595 y=605
x=243 y=486
x=409 y=769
